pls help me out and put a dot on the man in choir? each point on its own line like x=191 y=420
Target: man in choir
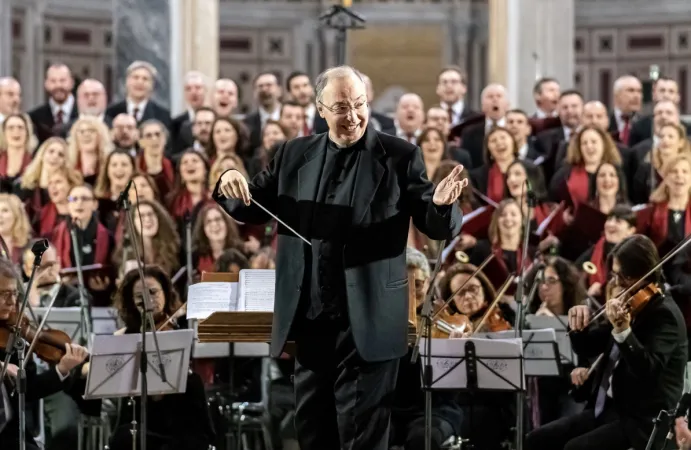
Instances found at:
x=546 y=93
x=381 y=121
x=292 y=118
x=451 y=89
x=664 y=89
x=224 y=99
x=437 y=117
x=410 y=116
x=628 y=96
x=518 y=124
x=494 y=106
x=126 y=133
x=351 y=194
x=570 y=110
x=138 y=103
x=91 y=101
x=300 y=88
x=50 y=118
x=10 y=97
x=267 y=94
x=204 y=119
x=665 y=111
x=195 y=96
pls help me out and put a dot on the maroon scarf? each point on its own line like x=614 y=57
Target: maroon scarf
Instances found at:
x=598 y=258
x=206 y=264
x=164 y=179
x=63 y=244
x=578 y=185
x=495 y=183
x=4 y=159
x=48 y=218
x=659 y=226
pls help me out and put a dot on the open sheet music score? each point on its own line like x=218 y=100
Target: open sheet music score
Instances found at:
x=254 y=291
x=559 y=325
x=498 y=363
x=540 y=353
x=104 y=320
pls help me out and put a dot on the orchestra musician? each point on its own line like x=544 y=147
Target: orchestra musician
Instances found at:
x=351 y=193
x=38 y=385
x=644 y=351
x=175 y=421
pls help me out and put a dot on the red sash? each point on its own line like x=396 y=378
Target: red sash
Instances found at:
x=659 y=226
x=4 y=160
x=48 y=217
x=63 y=244
x=181 y=204
x=598 y=258
x=578 y=185
x=206 y=264
x=495 y=183
x=165 y=179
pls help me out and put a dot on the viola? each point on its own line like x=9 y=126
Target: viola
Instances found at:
x=50 y=345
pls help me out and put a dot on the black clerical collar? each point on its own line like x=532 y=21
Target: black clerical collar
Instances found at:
x=359 y=144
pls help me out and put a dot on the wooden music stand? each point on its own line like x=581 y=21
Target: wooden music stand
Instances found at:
x=253 y=326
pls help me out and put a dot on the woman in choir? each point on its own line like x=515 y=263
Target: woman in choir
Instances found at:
x=671 y=142
x=15 y=228
x=610 y=188
x=151 y=160
x=175 y=421
x=156 y=236
x=191 y=188
x=560 y=288
x=588 y=149
x=88 y=145
x=143 y=188
x=225 y=162
x=33 y=186
x=214 y=232
x=434 y=149
x=118 y=170
x=500 y=150
x=228 y=135
x=56 y=210
x=16 y=146
x=272 y=134
x=621 y=223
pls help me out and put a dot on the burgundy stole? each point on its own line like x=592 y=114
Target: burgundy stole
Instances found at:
x=49 y=215
x=4 y=160
x=659 y=226
x=499 y=256
x=541 y=212
x=598 y=258
x=495 y=183
x=578 y=185
x=63 y=244
x=181 y=204
x=206 y=264
x=164 y=179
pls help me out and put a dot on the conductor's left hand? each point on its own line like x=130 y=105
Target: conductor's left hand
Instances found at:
x=450 y=188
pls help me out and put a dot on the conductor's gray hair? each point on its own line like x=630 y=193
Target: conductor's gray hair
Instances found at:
x=333 y=73
x=416 y=259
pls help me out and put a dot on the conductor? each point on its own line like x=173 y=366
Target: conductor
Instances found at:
x=343 y=299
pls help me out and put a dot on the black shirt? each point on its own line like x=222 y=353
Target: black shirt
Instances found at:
x=87 y=243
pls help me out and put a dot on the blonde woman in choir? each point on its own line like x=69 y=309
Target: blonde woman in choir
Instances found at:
x=33 y=187
x=15 y=227
x=89 y=144
x=17 y=142
x=56 y=210
x=151 y=160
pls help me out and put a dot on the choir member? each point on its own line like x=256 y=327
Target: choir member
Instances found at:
x=228 y=136
x=610 y=188
x=272 y=134
x=466 y=201
x=410 y=115
x=500 y=150
x=118 y=169
x=191 y=185
x=451 y=89
x=214 y=232
x=589 y=148
x=89 y=144
x=518 y=124
x=16 y=146
x=143 y=188
x=521 y=176
x=15 y=228
x=433 y=146
x=494 y=106
x=56 y=210
x=267 y=93
x=225 y=162
x=292 y=118
x=628 y=96
x=231 y=260
x=151 y=159
x=620 y=224
x=33 y=186
x=156 y=237
x=671 y=141
x=60 y=107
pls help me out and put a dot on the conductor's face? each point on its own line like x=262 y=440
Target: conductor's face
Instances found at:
x=344 y=107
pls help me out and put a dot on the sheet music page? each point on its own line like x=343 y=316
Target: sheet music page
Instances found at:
x=209 y=297
x=257 y=290
x=559 y=326
x=539 y=350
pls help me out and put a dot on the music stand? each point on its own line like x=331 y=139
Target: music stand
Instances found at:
x=104 y=320
x=540 y=351
x=114 y=369
x=560 y=326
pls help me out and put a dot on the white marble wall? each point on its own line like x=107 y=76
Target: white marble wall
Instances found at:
x=141 y=30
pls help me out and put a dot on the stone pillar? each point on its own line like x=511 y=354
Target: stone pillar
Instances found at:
x=194 y=44
x=33 y=70
x=142 y=31
x=525 y=46
x=5 y=38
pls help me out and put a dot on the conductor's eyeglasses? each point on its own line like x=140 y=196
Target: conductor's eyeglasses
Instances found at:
x=343 y=109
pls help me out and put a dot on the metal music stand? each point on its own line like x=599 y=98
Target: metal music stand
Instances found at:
x=341 y=19
x=540 y=351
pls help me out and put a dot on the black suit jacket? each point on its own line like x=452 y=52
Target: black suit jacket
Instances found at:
x=390 y=187
x=176 y=124
x=152 y=111
x=253 y=122
x=649 y=376
x=44 y=122
x=643 y=129
x=473 y=140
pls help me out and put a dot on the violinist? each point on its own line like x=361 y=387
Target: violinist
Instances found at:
x=53 y=380
x=641 y=372
x=620 y=224
x=487 y=416
x=48 y=281
x=176 y=421
x=408 y=410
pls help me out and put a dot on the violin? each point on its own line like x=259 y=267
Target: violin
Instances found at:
x=446 y=322
x=49 y=346
x=164 y=322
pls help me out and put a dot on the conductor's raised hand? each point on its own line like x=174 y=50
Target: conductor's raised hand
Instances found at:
x=234 y=185
x=450 y=188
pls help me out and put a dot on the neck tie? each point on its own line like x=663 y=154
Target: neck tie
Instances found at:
x=306 y=129
x=59 y=116
x=624 y=135
x=449 y=110
x=135 y=113
x=605 y=381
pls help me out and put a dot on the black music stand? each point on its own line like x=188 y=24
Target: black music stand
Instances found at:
x=473 y=365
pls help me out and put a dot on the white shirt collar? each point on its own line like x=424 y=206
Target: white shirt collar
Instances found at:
x=2 y=117
x=540 y=114
x=264 y=115
x=190 y=114
x=100 y=117
x=141 y=106
x=65 y=107
x=500 y=123
x=523 y=151
x=567 y=133
x=403 y=135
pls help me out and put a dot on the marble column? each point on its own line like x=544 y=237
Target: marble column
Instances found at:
x=5 y=38
x=142 y=32
x=33 y=70
x=194 y=44
x=526 y=46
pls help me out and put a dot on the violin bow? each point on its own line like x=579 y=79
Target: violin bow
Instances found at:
x=502 y=290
